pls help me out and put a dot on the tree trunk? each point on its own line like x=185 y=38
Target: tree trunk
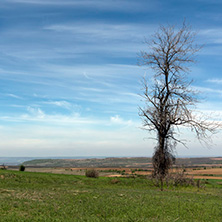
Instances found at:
x=162 y=166
x=161 y=183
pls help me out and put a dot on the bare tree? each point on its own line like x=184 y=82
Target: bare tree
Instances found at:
x=169 y=98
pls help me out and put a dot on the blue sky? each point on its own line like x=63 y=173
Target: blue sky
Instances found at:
x=69 y=80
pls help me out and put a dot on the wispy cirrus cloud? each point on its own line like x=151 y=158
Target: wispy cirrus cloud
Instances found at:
x=212 y=41
x=94 y=72
x=76 y=40
x=62 y=104
x=102 y=30
x=217 y=81
x=205 y=90
x=13 y=96
x=115 y=5
x=38 y=116
x=212 y=35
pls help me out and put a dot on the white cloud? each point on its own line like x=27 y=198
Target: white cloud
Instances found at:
x=36 y=112
x=14 y=96
x=63 y=104
x=38 y=116
x=217 y=81
x=205 y=90
x=211 y=35
x=118 y=120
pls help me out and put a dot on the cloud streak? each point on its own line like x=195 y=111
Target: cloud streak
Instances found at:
x=217 y=81
x=118 y=120
x=115 y=5
x=212 y=35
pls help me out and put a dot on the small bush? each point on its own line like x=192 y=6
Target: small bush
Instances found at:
x=114 y=181
x=3 y=167
x=179 y=179
x=176 y=179
x=92 y=173
x=21 y=168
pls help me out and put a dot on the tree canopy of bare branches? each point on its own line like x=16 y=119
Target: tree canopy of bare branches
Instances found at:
x=169 y=98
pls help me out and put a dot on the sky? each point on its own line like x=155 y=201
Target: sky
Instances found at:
x=69 y=79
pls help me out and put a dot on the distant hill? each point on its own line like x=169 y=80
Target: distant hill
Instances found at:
x=134 y=162
x=19 y=160
x=13 y=160
x=105 y=162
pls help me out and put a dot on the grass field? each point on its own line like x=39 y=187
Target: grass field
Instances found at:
x=201 y=172
x=28 y=196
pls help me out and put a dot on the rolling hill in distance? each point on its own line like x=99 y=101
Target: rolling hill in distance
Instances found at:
x=98 y=161
x=19 y=160
x=133 y=162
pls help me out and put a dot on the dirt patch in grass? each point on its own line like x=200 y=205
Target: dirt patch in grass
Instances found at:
x=143 y=173
x=213 y=171
x=216 y=158
x=114 y=175
x=207 y=177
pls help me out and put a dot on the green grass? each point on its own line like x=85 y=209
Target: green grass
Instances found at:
x=28 y=196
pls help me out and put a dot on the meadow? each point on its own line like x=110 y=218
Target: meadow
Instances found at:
x=33 y=196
